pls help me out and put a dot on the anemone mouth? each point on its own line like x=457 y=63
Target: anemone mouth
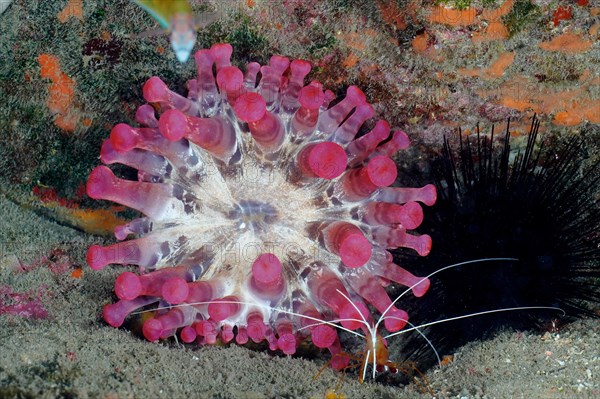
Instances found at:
x=256 y=215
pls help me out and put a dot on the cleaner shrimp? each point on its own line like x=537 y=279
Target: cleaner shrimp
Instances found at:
x=376 y=353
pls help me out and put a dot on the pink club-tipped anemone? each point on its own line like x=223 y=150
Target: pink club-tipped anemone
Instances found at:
x=261 y=206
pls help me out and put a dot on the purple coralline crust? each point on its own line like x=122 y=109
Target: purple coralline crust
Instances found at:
x=28 y=305
x=265 y=213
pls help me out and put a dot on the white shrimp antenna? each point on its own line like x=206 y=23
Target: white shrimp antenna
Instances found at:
x=417 y=329
x=475 y=314
x=383 y=315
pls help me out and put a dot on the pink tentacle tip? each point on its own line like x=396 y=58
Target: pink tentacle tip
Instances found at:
x=355 y=250
x=112 y=315
x=227 y=333
x=123 y=137
x=99 y=181
x=351 y=318
x=279 y=63
x=356 y=95
x=173 y=125
x=128 y=286
x=175 y=290
x=395 y=319
x=300 y=68
x=107 y=152
x=221 y=54
x=267 y=270
x=428 y=195
x=287 y=343
x=311 y=97
x=203 y=57
x=256 y=328
x=242 y=336
x=422 y=244
x=230 y=80
x=188 y=334
x=221 y=309
x=325 y=160
x=250 y=107
x=382 y=171
x=421 y=289
x=410 y=215
x=145 y=115
x=152 y=329
x=339 y=362
x=349 y=242
x=401 y=139
x=323 y=336
x=207 y=329
x=95 y=257
x=155 y=90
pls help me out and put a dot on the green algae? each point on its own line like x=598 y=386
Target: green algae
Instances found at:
x=522 y=14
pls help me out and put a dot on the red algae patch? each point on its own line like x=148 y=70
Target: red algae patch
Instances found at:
x=568 y=43
x=496 y=14
x=61 y=93
x=561 y=13
x=350 y=61
x=421 y=44
x=27 y=305
x=452 y=17
x=77 y=273
x=495 y=29
x=498 y=67
x=570 y=107
x=358 y=43
x=356 y=40
x=495 y=70
x=73 y=9
x=392 y=15
x=57 y=261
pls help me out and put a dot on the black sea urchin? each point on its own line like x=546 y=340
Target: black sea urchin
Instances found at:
x=539 y=206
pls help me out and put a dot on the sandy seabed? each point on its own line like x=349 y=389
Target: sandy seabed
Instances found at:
x=72 y=353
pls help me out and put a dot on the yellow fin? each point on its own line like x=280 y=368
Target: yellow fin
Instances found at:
x=164 y=10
